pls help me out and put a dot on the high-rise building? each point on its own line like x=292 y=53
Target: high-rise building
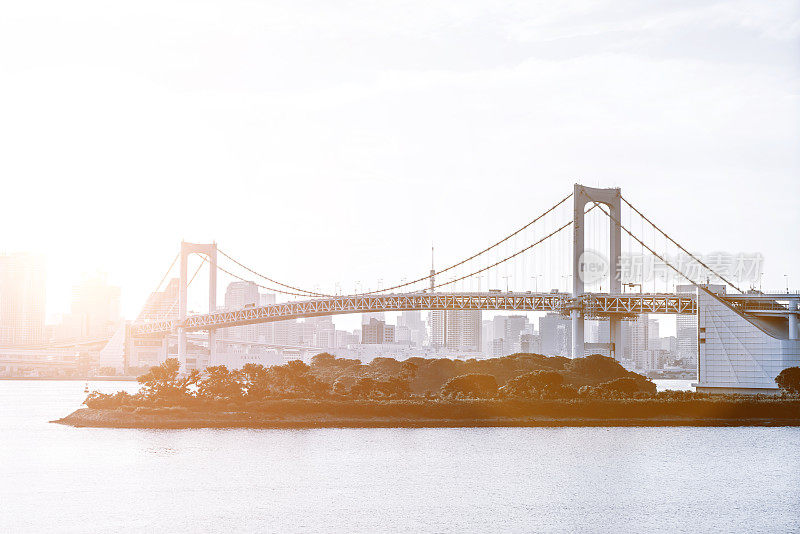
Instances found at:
x=240 y=295
x=377 y=333
x=643 y=337
x=265 y=332
x=437 y=320
x=600 y=332
x=402 y=334
x=412 y=320
x=515 y=325
x=22 y=299
x=670 y=345
x=287 y=332
x=555 y=332
x=378 y=316
x=161 y=305
x=530 y=344
x=95 y=310
x=456 y=330
x=498 y=337
x=487 y=336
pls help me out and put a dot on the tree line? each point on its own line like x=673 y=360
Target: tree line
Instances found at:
x=520 y=376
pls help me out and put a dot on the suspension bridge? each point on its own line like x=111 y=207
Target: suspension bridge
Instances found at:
x=755 y=327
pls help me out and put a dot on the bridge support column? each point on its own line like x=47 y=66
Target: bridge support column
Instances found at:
x=211 y=252
x=212 y=302
x=577 y=334
x=793 y=320
x=611 y=198
x=182 y=305
x=615 y=330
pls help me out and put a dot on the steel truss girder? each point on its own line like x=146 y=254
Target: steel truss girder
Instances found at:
x=592 y=304
x=604 y=305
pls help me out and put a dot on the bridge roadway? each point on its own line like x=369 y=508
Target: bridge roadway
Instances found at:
x=593 y=304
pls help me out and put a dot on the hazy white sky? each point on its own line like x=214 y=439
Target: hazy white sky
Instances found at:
x=334 y=141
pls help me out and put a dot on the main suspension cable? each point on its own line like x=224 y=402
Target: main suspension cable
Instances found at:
x=203 y=258
x=653 y=252
x=307 y=293
x=695 y=258
x=275 y=290
x=166 y=274
x=495 y=264
x=487 y=249
x=303 y=291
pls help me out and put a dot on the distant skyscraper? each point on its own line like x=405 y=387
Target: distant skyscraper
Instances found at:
x=530 y=344
x=95 y=311
x=377 y=332
x=515 y=325
x=437 y=321
x=287 y=332
x=240 y=295
x=366 y=317
x=686 y=330
x=643 y=338
x=555 y=332
x=600 y=332
x=456 y=330
x=498 y=337
x=161 y=305
x=412 y=320
x=22 y=299
x=487 y=336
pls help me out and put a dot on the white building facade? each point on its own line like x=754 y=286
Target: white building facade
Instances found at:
x=739 y=354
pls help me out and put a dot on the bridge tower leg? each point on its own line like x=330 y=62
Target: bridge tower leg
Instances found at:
x=210 y=250
x=212 y=302
x=183 y=288
x=611 y=198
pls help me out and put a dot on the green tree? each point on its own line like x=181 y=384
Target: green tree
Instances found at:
x=255 y=381
x=623 y=387
x=789 y=380
x=393 y=388
x=323 y=359
x=598 y=367
x=533 y=384
x=475 y=385
x=219 y=382
x=161 y=384
x=364 y=388
x=295 y=380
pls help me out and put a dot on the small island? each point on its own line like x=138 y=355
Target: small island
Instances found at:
x=518 y=390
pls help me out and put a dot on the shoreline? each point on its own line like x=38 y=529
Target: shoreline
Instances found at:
x=377 y=416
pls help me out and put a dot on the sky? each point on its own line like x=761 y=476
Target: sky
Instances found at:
x=334 y=142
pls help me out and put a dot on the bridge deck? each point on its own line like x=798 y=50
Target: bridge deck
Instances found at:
x=594 y=304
